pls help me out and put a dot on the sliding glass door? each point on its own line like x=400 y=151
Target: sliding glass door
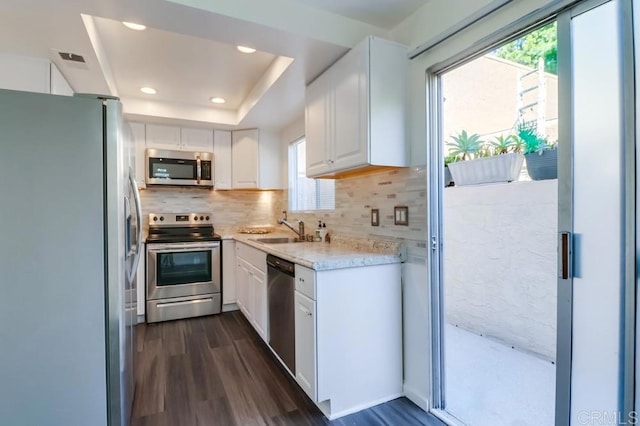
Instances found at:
x=533 y=225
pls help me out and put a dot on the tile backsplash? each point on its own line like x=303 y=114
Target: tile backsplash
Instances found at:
x=356 y=196
x=229 y=208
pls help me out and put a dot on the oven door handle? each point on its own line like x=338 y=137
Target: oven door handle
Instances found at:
x=172 y=248
x=136 y=196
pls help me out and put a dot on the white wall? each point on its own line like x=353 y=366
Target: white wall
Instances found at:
x=500 y=260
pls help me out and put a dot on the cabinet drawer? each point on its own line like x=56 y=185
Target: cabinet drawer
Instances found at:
x=306 y=281
x=252 y=255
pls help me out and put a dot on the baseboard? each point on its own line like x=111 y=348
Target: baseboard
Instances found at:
x=230 y=307
x=361 y=407
x=414 y=396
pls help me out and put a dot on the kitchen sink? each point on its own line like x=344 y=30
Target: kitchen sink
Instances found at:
x=275 y=240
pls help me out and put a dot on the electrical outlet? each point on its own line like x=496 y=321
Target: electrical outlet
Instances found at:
x=375 y=217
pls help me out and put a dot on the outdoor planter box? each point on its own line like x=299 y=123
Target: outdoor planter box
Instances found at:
x=448 y=180
x=498 y=168
x=543 y=166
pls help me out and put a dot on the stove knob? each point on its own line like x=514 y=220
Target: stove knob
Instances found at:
x=161 y=218
x=195 y=218
x=155 y=218
x=207 y=217
x=201 y=217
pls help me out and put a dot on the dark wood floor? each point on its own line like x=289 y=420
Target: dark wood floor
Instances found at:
x=217 y=371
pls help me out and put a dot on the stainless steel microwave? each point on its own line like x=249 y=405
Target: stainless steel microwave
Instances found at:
x=165 y=167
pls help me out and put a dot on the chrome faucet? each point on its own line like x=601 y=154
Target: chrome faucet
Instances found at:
x=300 y=231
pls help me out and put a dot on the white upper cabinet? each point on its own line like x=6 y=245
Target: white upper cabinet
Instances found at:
x=199 y=140
x=245 y=159
x=175 y=138
x=317 y=127
x=350 y=110
x=356 y=110
x=222 y=158
x=163 y=137
x=139 y=145
x=32 y=75
x=256 y=162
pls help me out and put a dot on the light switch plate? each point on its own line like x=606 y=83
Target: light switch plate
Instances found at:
x=375 y=217
x=401 y=215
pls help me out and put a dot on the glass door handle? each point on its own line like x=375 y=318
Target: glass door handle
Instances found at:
x=565 y=255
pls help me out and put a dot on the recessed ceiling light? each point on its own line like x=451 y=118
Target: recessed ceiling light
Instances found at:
x=148 y=90
x=245 y=49
x=137 y=27
x=218 y=100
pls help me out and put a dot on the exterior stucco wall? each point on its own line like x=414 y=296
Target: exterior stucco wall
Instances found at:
x=500 y=259
x=482 y=97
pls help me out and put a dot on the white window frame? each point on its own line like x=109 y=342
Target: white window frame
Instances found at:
x=292 y=174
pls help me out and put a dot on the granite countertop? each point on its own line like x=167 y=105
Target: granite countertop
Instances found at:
x=342 y=252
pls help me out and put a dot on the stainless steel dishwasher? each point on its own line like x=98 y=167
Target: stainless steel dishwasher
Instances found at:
x=281 y=288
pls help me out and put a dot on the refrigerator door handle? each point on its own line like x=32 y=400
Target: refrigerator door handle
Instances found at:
x=136 y=196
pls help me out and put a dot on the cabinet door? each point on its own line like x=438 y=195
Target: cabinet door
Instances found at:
x=244 y=151
x=222 y=159
x=139 y=145
x=241 y=287
x=260 y=318
x=249 y=291
x=25 y=73
x=198 y=140
x=229 y=293
x=163 y=137
x=350 y=123
x=318 y=134
x=305 y=324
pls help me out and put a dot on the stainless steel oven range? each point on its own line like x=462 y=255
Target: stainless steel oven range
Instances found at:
x=183 y=266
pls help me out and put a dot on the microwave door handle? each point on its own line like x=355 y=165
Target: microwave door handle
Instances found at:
x=198 y=169
x=136 y=196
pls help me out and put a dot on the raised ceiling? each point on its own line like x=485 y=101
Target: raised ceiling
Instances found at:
x=381 y=13
x=188 y=51
x=183 y=69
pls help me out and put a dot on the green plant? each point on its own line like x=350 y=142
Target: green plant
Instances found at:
x=465 y=146
x=530 y=140
x=484 y=152
x=504 y=144
x=450 y=159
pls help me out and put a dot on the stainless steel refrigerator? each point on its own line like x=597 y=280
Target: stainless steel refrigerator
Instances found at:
x=69 y=247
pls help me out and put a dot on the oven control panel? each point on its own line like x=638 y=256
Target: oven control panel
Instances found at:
x=180 y=219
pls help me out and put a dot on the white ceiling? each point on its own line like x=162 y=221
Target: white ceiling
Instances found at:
x=183 y=69
x=188 y=51
x=381 y=13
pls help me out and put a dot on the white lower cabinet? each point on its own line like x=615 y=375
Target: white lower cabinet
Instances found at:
x=242 y=284
x=251 y=287
x=258 y=284
x=305 y=323
x=348 y=328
